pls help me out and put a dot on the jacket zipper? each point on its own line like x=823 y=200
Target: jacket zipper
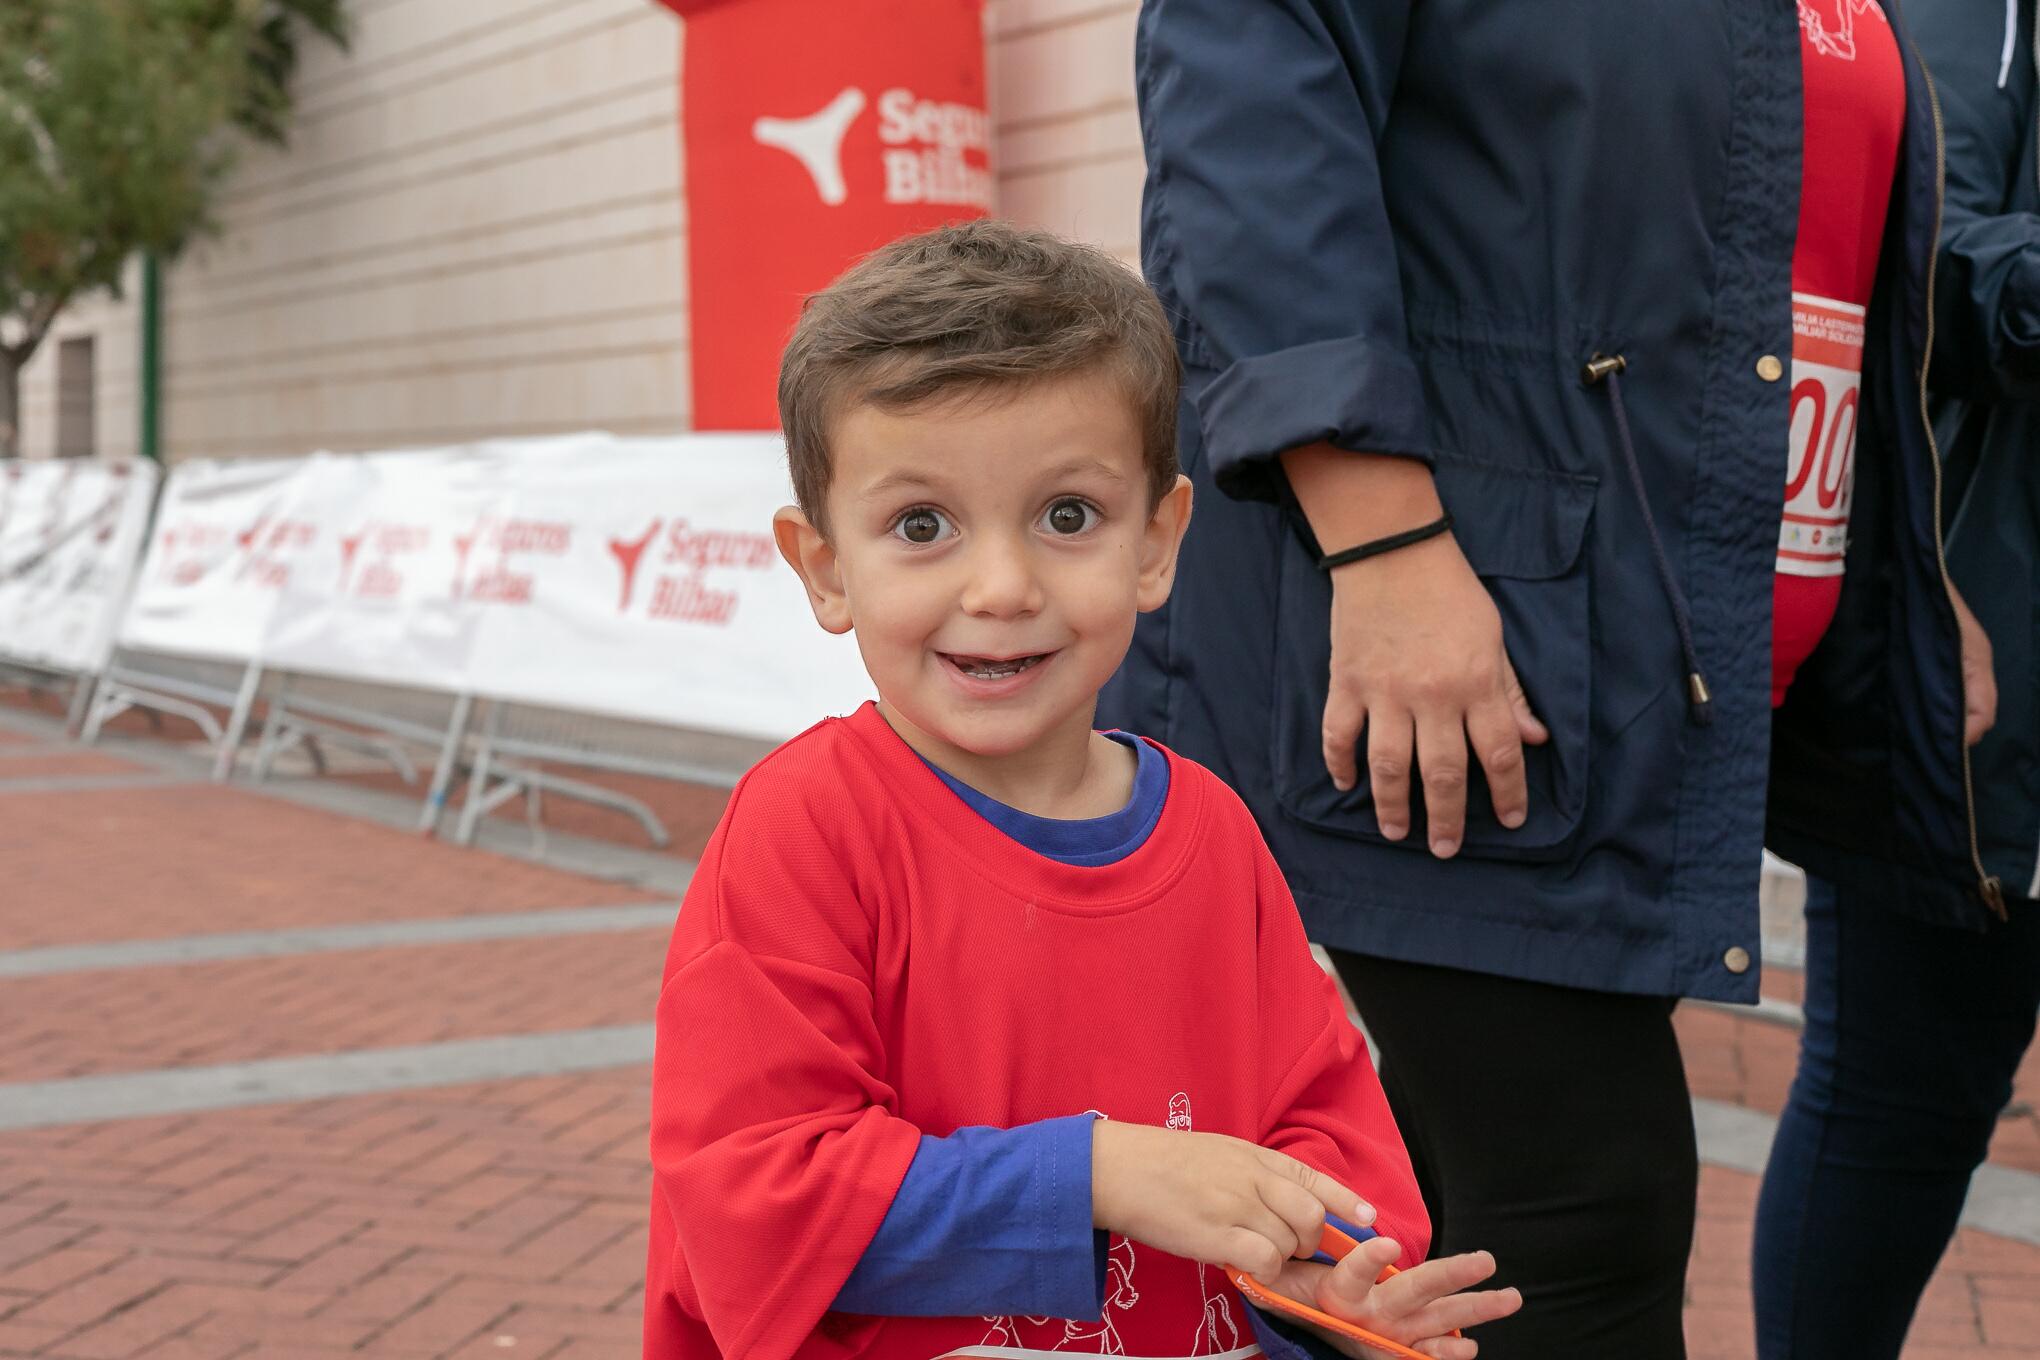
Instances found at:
x=1988 y=885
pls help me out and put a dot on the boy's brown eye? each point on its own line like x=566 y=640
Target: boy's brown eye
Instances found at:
x=921 y=526
x=1069 y=517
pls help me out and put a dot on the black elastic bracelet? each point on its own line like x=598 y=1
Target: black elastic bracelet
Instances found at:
x=1442 y=524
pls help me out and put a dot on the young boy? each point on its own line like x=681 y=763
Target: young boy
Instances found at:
x=983 y=1033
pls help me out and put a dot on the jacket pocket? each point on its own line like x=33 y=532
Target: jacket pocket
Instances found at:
x=1524 y=532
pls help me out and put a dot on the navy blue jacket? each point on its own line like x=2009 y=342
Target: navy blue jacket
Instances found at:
x=1405 y=227
x=1986 y=384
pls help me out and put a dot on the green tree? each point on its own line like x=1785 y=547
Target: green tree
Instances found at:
x=118 y=119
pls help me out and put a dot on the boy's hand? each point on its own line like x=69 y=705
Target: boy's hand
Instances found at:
x=1210 y=1198
x=1419 y=1307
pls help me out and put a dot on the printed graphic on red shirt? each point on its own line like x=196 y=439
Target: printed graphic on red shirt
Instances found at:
x=1827 y=381
x=1828 y=27
x=1219 y=1336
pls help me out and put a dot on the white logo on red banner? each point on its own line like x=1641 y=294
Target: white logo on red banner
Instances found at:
x=925 y=153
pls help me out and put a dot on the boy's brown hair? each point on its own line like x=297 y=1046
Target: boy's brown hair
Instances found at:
x=967 y=309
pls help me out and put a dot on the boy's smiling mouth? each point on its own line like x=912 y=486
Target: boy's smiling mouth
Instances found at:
x=994 y=667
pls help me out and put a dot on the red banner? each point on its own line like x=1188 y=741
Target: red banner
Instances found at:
x=814 y=131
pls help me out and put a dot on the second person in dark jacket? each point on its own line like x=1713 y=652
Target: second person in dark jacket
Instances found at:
x=1533 y=265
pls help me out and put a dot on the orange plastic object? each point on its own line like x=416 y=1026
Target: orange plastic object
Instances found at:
x=1338 y=1246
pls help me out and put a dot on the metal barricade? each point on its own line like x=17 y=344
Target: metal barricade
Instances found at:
x=306 y=710
x=187 y=686
x=512 y=735
x=39 y=679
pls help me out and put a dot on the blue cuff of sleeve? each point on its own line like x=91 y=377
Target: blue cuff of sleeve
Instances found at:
x=1070 y=1270
x=1354 y=392
x=988 y=1221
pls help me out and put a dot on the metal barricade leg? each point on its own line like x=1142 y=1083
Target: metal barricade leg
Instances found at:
x=471 y=812
x=107 y=704
x=276 y=730
x=237 y=723
x=82 y=690
x=442 y=773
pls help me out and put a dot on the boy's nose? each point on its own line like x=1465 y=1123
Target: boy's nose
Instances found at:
x=1002 y=583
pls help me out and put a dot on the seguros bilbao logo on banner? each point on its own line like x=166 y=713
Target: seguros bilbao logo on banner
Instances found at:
x=508 y=579
x=684 y=588
x=926 y=147
x=379 y=572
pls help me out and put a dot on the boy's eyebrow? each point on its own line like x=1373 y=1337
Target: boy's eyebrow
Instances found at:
x=899 y=481
x=1097 y=467
x=894 y=482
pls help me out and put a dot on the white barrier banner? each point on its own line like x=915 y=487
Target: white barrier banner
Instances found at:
x=228 y=537
x=638 y=578
x=633 y=578
x=70 y=533
x=384 y=597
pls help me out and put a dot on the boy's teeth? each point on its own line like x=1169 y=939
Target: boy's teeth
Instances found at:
x=980 y=669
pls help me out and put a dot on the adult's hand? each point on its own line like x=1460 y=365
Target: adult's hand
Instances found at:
x=1979 y=680
x=1417 y=654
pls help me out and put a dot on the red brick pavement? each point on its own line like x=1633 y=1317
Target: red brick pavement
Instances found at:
x=16 y=764
x=422 y=1224
x=501 y=1219
x=151 y=863
x=74 y=1024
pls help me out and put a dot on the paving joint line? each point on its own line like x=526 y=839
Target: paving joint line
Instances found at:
x=93 y=783
x=179 y=950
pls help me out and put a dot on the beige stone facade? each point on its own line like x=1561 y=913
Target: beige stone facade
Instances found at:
x=478 y=229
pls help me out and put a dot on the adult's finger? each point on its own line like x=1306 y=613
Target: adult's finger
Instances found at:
x=1391 y=745
x=1344 y=716
x=1441 y=761
x=1981 y=695
x=1448 y=1348
x=1498 y=744
x=1532 y=727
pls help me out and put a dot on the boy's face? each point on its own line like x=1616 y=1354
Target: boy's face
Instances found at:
x=991 y=555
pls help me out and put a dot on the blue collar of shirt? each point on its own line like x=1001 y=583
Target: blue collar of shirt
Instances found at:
x=1088 y=841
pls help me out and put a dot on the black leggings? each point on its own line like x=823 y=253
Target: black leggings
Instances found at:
x=1552 y=1127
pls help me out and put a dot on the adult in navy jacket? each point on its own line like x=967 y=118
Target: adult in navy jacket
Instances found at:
x=1914 y=1029
x=1534 y=263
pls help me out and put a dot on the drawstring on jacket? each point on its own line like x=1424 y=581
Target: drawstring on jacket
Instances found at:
x=1605 y=368
x=2011 y=42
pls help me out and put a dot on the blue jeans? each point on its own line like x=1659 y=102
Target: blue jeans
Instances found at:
x=1913 y=1033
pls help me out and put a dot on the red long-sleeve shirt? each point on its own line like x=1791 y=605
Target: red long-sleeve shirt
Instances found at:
x=861 y=959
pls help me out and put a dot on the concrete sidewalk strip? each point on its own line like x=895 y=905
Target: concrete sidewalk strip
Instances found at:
x=255 y=944
x=91 y=783
x=83 y=1100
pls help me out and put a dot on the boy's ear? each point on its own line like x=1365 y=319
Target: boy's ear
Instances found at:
x=1160 y=544
x=814 y=561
